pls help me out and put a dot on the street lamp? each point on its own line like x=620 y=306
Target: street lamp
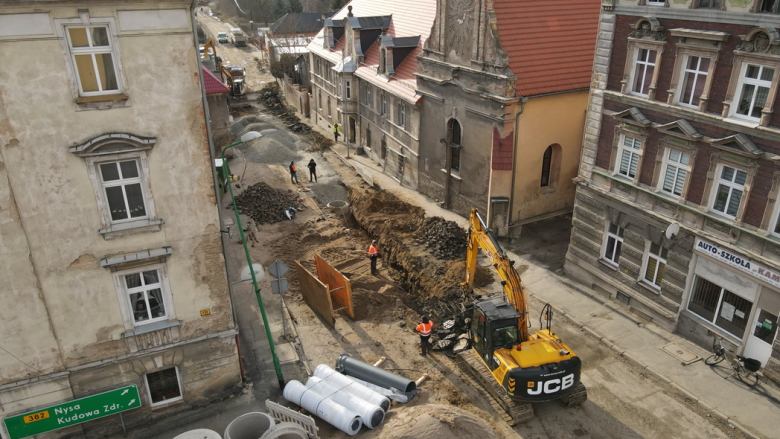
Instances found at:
x=245 y=138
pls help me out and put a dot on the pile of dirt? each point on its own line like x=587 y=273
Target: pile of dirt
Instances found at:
x=436 y=421
x=270 y=98
x=445 y=239
x=265 y=204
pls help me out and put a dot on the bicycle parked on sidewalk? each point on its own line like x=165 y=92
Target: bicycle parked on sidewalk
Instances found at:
x=744 y=368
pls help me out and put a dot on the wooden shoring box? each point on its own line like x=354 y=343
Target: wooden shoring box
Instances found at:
x=340 y=287
x=316 y=294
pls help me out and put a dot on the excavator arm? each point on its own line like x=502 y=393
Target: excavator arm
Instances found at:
x=514 y=290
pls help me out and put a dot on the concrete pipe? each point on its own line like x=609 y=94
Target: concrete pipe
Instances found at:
x=200 y=433
x=328 y=410
x=372 y=415
x=285 y=430
x=341 y=382
x=249 y=426
x=374 y=375
x=339 y=207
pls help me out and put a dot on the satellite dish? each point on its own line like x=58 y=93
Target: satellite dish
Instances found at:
x=673 y=229
x=257 y=268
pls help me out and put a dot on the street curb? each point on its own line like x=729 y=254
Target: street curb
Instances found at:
x=661 y=377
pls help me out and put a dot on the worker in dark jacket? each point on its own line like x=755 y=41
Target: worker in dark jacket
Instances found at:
x=293 y=173
x=312 y=170
x=373 y=254
x=425 y=328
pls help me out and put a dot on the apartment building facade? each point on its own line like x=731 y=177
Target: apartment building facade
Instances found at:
x=676 y=211
x=110 y=251
x=366 y=57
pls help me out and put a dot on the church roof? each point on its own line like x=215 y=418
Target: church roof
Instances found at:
x=551 y=43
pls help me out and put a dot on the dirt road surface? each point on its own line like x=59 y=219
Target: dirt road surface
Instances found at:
x=249 y=57
x=624 y=401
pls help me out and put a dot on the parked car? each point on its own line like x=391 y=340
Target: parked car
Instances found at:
x=222 y=37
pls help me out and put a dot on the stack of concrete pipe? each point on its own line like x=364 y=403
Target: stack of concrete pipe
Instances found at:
x=338 y=400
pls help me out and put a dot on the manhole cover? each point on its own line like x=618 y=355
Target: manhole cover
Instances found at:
x=680 y=353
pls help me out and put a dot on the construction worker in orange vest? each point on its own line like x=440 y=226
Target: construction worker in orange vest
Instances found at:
x=373 y=254
x=425 y=328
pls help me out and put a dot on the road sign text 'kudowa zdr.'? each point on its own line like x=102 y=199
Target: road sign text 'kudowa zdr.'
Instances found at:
x=73 y=412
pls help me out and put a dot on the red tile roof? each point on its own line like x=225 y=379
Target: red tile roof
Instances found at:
x=410 y=18
x=212 y=83
x=550 y=43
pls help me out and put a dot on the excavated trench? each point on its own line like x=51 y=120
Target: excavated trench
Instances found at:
x=431 y=284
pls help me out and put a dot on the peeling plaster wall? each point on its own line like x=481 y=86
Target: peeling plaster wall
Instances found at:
x=49 y=250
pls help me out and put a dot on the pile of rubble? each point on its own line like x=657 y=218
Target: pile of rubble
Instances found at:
x=264 y=204
x=451 y=315
x=445 y=239
x=269 y=97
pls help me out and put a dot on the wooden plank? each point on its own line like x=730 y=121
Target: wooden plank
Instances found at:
x=316 y=294
x=340 y=286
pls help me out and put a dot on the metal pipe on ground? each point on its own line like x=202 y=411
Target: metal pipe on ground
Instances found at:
x=374 y=375
x=341 y=382
x=249 y=426
x=371 y=414
x=328 y=410
x=394 y=394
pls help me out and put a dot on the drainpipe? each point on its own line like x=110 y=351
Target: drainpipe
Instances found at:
x=523 y=100
x=212 y=156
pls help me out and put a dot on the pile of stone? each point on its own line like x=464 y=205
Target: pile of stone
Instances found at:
x=269 y=97
x=264 y=204
x=451 y=316
x=445 y=239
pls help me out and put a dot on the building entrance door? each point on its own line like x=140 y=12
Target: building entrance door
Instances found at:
x=761 y=336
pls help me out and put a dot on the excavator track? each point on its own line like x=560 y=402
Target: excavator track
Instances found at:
x=576 y=397
x=514 y=412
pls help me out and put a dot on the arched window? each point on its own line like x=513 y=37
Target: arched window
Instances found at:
x=546 y=165
x=455 y=139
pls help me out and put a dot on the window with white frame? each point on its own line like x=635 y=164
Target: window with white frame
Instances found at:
x=613 y=244
x=675 y=171
x=349 y=89
x=694 y=77
x=383 y=105
x=92 y=54
x=752 y=90
x=644 y=67
x=124 y=191
x=401 y=114
x=628 y=156
x=164 y=386
x=655 y=265
x=730 y=186
x=144 y=290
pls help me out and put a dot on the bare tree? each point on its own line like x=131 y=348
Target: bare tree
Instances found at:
x=335 y=5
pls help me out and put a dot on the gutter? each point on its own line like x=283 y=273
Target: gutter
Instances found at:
x=212 y=156
x=523 y=101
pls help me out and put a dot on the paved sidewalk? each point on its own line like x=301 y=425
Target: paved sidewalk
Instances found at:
x=755 y=411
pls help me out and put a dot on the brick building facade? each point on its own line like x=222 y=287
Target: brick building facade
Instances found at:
x=676 y=211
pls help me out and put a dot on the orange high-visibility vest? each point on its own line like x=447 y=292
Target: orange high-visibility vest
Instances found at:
x=373 y=250
x=425 y=328
x=294 y=168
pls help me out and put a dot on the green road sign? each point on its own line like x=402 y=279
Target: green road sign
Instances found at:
x=73 y=412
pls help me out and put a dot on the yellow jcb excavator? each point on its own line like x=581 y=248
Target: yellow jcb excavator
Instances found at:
x=233 y=75
x=516 y=366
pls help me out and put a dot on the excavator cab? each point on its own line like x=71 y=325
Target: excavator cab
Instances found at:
x=494 y=326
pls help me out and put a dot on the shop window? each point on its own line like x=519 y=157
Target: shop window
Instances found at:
x=675 y=172
x=628 y=156
x=655 y=265
x=644 y=67
x=164 y=386
x=755 y=82
x=613 y=244
x=720 y=307
x=694 y=78
x=729 y=191
x=546 y=165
